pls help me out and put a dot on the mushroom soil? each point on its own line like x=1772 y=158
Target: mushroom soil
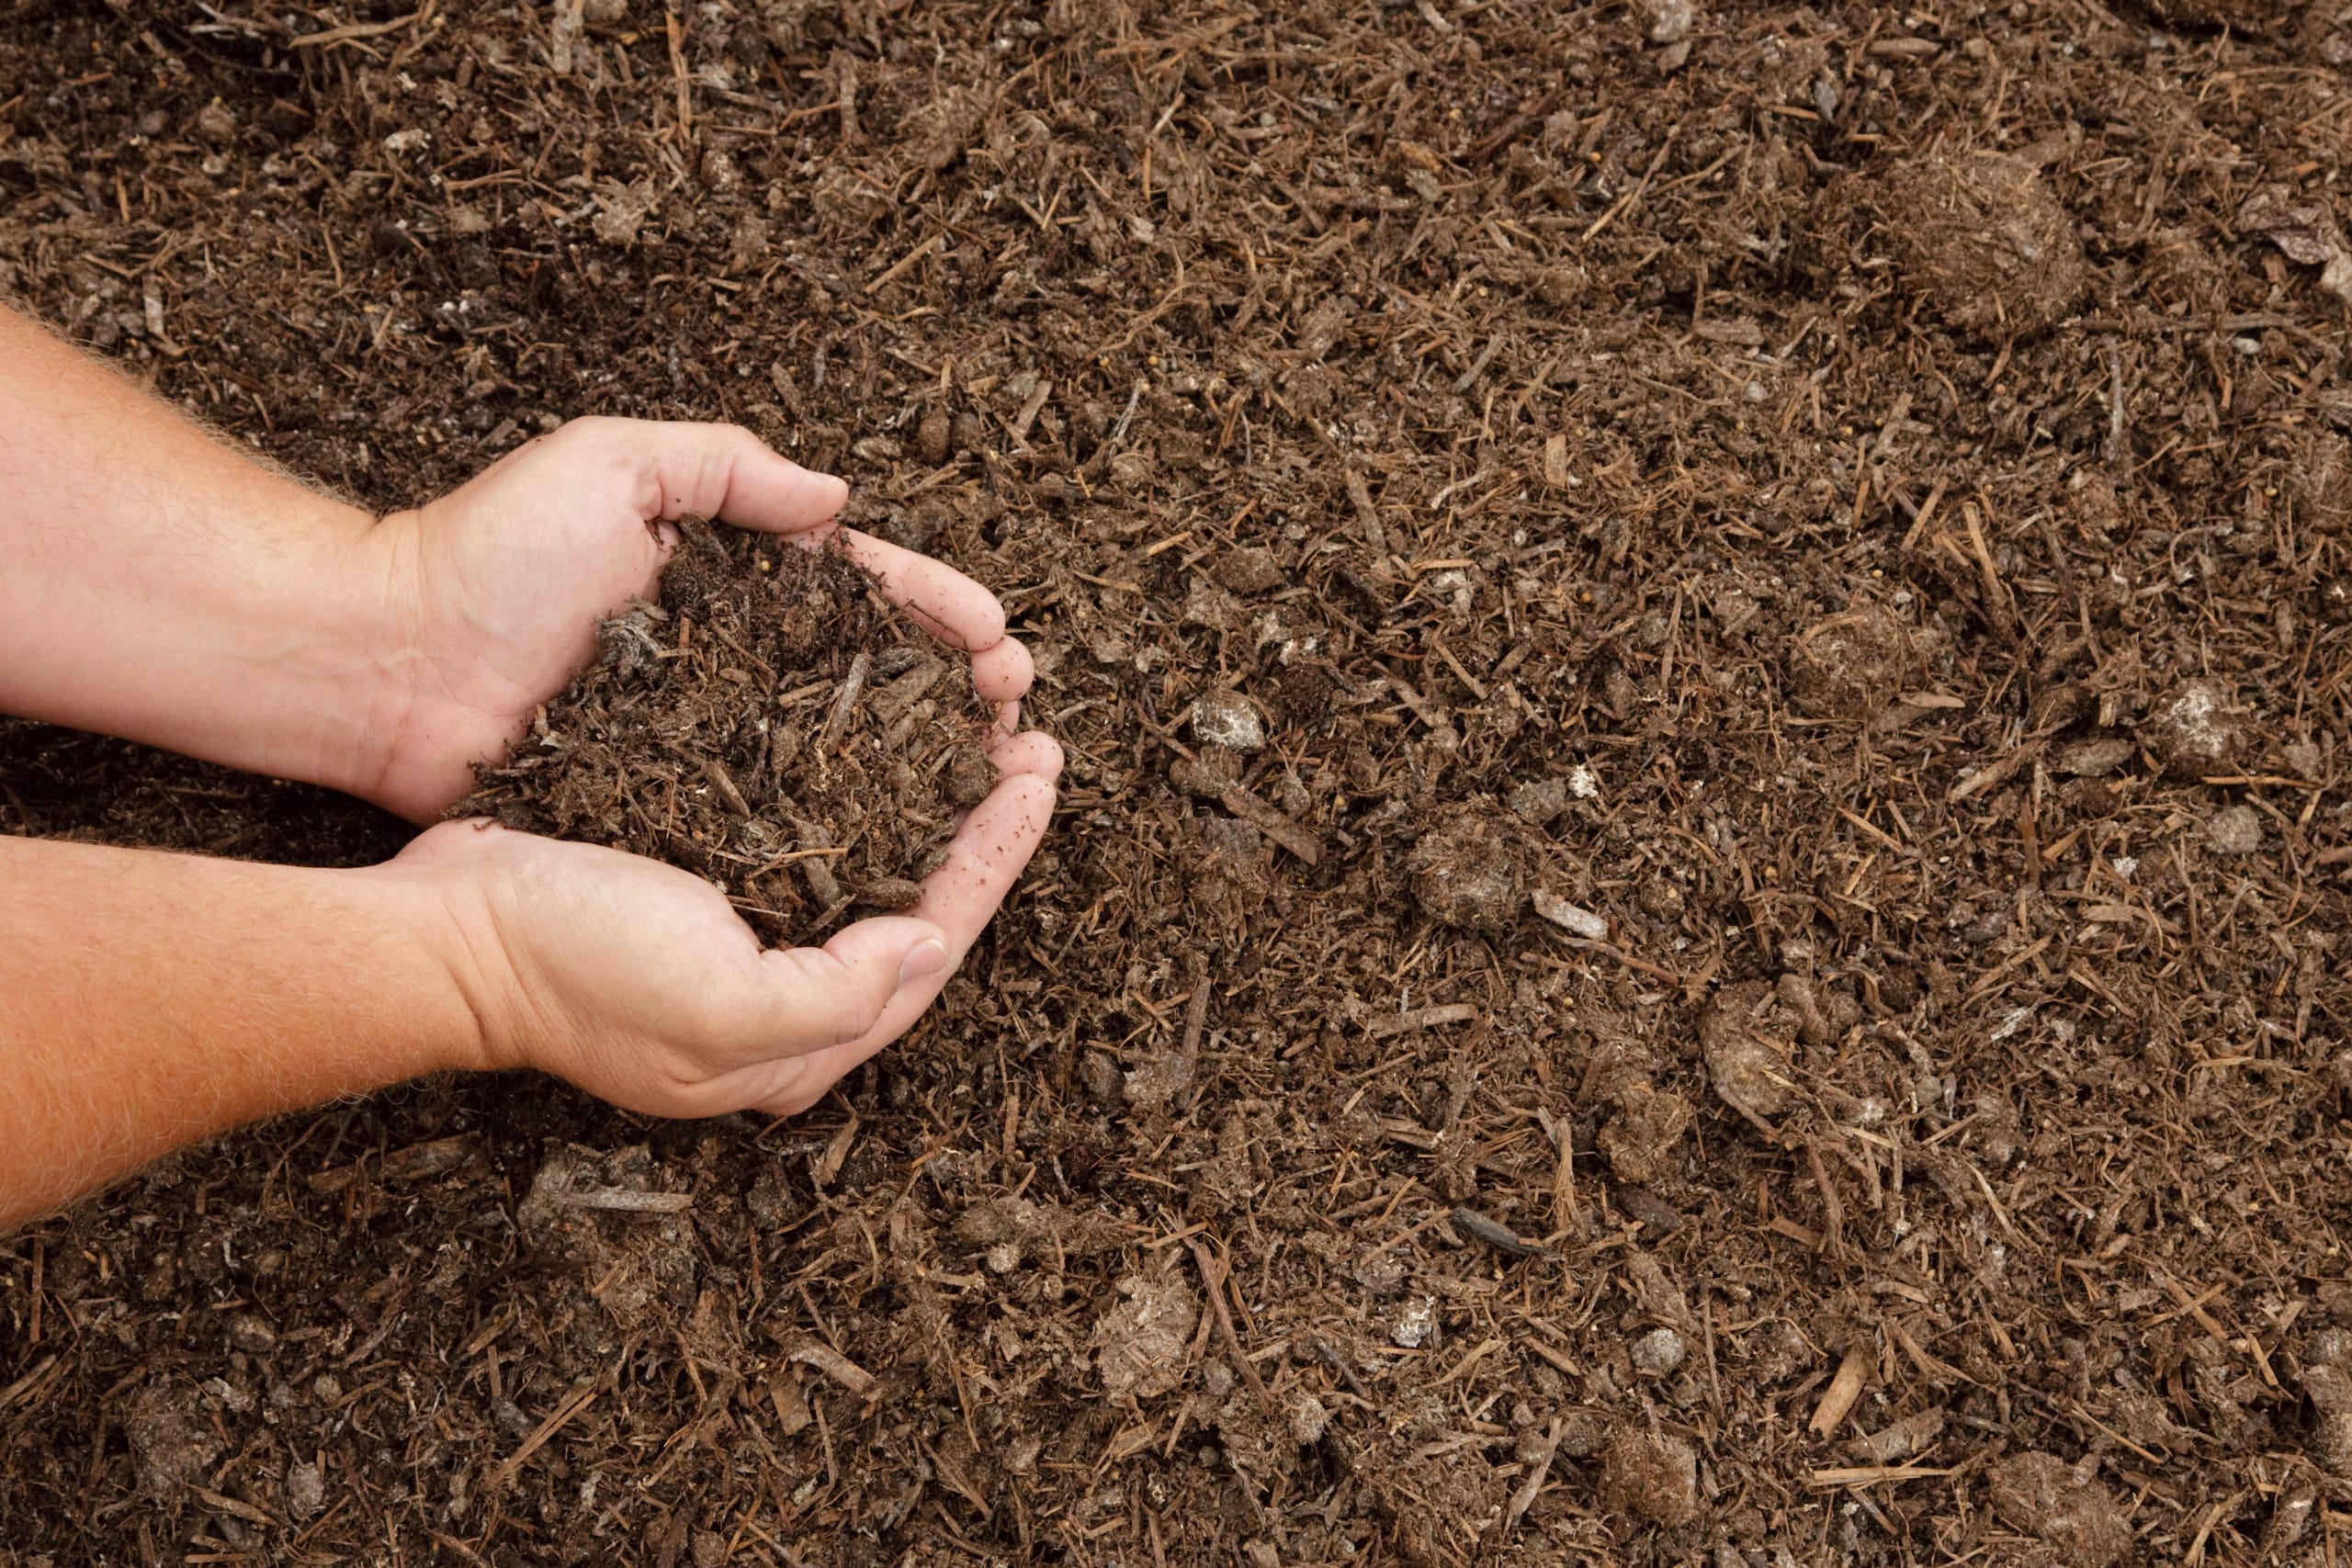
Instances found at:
x=1698 y=909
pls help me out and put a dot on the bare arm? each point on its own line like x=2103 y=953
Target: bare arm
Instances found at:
x=161 y=586
x=148 y=1000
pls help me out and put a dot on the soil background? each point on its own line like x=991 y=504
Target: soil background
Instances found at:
x=1699 y=912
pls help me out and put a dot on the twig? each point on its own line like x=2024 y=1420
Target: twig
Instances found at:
x=1213 y=1278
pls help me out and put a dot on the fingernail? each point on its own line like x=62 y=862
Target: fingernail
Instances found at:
x=926 y=957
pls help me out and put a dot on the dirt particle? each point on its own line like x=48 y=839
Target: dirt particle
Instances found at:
x=170 y=1443
x=1850 y=666
x=1230 y=720
x=1650 y=1122
x=1976 y=235
x=932 y=437
x=2234 y=831
x=1657 y=1353
x=2093 y=758
x=1466 y=874
x=1746 y=1047
x=2195 y=730
x=1655 y=1476
x=1251 y=569
x=2040 y=1495
x=1139 y=1344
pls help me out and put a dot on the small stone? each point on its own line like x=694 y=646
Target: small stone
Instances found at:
x=1227 y=719
x=603 y=13
x=1308 y=1419
x=216 y=121
x=2234 y=831
x=1658 y=1352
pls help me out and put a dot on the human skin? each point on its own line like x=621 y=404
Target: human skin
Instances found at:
x=158 y=584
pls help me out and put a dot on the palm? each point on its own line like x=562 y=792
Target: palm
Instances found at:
x=511 y=571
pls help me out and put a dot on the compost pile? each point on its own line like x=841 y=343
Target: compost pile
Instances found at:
x=1698 y=913
x=771 y=723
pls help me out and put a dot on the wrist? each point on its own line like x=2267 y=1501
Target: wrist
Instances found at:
x=465 y=983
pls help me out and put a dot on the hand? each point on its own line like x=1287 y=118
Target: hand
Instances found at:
x=500 y=582
x=638 y=982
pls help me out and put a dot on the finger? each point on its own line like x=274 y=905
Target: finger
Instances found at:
x=1032 y=751
x=683 y=469
x=948 y=604
x=989 y=853
x=806 y=999
x=1003 y=673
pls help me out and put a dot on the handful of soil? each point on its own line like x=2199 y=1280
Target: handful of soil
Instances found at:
x=773 y=724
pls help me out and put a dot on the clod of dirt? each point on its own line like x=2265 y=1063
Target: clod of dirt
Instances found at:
x=170 y=1443
x=2197 y=730
x=1746 y=1045
x=1227 y=719
x=1537 y=801
x=2234 y=831
x=1139 y=1344
x=2329 y=1388
x=2040 y=1495
x=2256 y=16
x=1466 y=874
x=306 y=1489
x=1657 y=1353
x=1976 y=235
x=1649 y=1123
x=1252 y=568
x=608 y=1216
x=770 y=724
x=1654 y=1476
x=1850 y=666
x=2094 y=757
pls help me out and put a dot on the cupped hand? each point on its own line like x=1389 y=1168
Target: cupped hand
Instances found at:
x=638 y=981
x=502 y=580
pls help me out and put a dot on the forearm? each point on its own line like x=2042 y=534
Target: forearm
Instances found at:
x=162 y=586
x=148 y=1000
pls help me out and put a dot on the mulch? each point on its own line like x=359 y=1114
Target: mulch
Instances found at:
x=1699 y=905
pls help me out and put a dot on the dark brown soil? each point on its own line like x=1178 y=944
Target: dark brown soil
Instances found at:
x=1714 y=637
x=771 y=724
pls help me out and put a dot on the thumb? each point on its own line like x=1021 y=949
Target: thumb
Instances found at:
x=815 y=998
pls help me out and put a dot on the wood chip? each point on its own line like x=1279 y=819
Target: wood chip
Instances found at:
x=1837 y=1399
x=834 y=1365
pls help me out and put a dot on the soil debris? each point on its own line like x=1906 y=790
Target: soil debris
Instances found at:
x=771 y=724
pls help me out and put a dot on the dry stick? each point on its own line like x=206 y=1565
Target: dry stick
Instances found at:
x=838 y=720
x=1211 y=1278
x=898 y=269
x=678 y=70
x=1524 y=1498
x=572 y=1405
x=351 y=30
